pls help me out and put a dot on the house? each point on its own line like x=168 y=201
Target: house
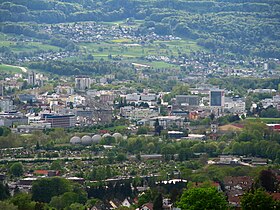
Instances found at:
x=127 y=202
x=259 y=161
x=166 y=204
x=212 y=184
x=276 y=196
x=228 y=160
x=147 y=206
x=235 y=187
x=274 y=127
x=193 y=136
x=46 y=173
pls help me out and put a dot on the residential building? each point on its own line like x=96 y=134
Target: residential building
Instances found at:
x=235 y=106
x=107 y=98
x=64 y=90
x=13 y=119
x=133 y=113
x=82 y=82
x=31 y=78
x=165 y=121
x=132 y=97
x=1 y=89
x=27 y=98
x=148 y=97
x=235 y=187
x=6 y=105
x=187 y=100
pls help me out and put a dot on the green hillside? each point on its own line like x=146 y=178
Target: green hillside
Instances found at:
x=249 y=27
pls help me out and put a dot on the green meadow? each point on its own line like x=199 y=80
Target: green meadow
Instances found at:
x=9 y=69
x=265 y=120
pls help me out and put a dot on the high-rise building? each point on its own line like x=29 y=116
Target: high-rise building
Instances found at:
x=82 y=82
x=31 y=78
x=217 y=98
x=1 y=89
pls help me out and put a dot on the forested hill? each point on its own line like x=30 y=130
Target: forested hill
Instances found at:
x=248 y=27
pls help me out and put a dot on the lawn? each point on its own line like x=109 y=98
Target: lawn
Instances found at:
x=9 y=69
x=265 y=120
x=128 y=48
x=161 y=64
x=27 y=46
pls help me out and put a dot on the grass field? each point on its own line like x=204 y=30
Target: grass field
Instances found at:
x=128 y=50
x=27 y=46
x=9 y=69
x=265 y=120
x=161 y=64
x=20 y=46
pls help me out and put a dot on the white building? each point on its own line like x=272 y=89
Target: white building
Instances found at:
x=148 y=97
x=64 y=90
x=235 y=106
x=133 y=113
x=132 y=97
x=165 y=121
x=83 y=82
x=31 y=78
x=6 y=105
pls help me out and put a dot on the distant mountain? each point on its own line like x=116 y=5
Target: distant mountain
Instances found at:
x=247 y=27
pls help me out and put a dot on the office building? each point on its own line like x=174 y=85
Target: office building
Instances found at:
x=217 y=98
x=60 y=121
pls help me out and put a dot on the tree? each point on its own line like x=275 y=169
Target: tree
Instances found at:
x=4 y=191
x=37 y=145
x=44 y=189
x=6 y=205
x=121 y=157
x=142 y=130
x=168 y=151
x=158 y=127
x=267 y=180
x=76 y=206
x=202 y=198
x=257 y=200
x=144 y=198
x=184 y=154
x=157 y=205
x=16 y=169
x=4 y=131
x=65 y=200
x=212 y=116
x=23 y=201
x=56 y=165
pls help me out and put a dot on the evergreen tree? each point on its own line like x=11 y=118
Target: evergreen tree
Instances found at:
x=158 y=202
